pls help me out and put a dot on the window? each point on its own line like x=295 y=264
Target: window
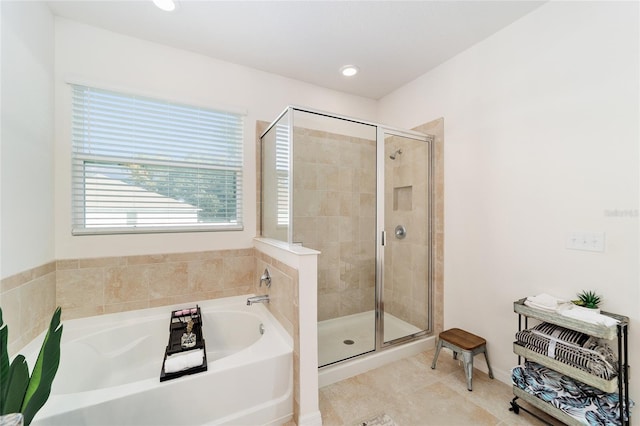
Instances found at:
x=282 y=173
x=146 y=165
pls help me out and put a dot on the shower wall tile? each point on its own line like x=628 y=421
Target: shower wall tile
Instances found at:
x=342 y=206
x=346 y=174
x=306 y=230
x=367 y=205
x=306 y=176
x=328 y=306
x=406 y=269
x=28 y=300
x=367 y=180
x=347 y=205
x=329 y=203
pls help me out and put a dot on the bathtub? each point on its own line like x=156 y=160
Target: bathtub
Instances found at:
x=110 y=367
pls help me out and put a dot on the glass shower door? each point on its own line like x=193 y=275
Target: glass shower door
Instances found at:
x=276 y=180
x=334 y=212
x=404 y=295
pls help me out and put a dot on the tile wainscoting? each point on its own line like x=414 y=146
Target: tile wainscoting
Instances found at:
x=28 y=299
x=87 y=287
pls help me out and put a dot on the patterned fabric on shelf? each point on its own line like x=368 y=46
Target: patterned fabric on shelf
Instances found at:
x=582 y=402
x=572 y=348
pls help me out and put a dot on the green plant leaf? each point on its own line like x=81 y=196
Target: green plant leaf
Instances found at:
x=44 y=370
x=16 y=385
x=589 y=299
x=4 y=363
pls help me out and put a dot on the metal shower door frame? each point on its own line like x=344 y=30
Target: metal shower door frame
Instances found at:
x=381 y=237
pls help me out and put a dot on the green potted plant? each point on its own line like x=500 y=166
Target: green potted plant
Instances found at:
x=19 y=391
x=588 y=299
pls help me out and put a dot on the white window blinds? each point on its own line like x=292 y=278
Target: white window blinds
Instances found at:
x=282 y=173
x=147 y=165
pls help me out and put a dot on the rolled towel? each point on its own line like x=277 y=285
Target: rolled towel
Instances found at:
x=183 y=361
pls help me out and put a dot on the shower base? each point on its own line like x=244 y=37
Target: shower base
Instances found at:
x=351 y=335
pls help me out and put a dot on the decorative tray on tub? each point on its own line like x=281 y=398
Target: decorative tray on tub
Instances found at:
x=186 y=352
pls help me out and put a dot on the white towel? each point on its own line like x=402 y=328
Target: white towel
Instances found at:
x=545 y=302
x=590 y=317
x=183 y=360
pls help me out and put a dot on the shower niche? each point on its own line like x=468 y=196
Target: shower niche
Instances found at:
x=343 y=187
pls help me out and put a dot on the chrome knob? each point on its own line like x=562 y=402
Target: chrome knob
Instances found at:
x=265 y=278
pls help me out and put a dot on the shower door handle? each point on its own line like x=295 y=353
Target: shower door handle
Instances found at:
x=384 y=238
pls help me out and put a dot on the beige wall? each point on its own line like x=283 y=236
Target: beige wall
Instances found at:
x=334 y=207
x=542 y=141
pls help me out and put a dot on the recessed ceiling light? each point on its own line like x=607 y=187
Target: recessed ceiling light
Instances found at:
x=349 y=70
x=167 y=5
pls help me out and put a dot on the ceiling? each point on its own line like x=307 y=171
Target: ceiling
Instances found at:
x=392 y=42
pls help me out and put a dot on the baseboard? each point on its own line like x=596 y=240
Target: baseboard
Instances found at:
x=311 y=419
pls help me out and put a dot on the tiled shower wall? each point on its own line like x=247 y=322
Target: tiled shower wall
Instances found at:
x=406 y=270
x=334 y=212
x=407 y=301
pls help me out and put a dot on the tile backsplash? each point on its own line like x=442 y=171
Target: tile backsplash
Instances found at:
x=86 y=287
x=28 y=300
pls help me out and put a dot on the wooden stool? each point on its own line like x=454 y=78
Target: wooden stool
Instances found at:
x=469 y=345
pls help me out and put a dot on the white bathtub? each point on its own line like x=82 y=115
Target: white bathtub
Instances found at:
x=110 y=368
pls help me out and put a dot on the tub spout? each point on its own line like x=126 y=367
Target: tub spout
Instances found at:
x=257 y=299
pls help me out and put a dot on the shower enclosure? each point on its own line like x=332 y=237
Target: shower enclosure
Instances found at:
x=360 y=193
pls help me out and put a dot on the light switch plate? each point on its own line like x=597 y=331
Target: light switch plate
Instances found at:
x=587 y=241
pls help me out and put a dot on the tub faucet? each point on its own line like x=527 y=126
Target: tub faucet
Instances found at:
x=258 y=299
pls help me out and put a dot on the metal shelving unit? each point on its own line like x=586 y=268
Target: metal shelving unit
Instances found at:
x=618 y=332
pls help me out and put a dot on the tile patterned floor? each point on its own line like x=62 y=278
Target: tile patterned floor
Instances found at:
x=413 y=394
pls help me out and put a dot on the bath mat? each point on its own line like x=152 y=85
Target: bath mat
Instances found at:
x=381 y=420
